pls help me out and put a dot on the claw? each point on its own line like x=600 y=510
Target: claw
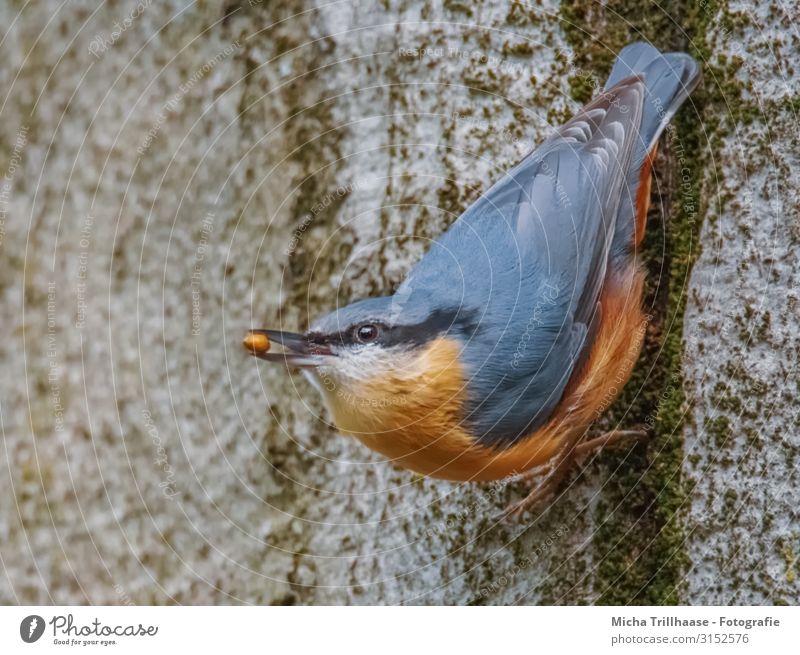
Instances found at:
x=515 y=511
x=611 y=438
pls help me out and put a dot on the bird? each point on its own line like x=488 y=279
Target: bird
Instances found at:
x=519 y=327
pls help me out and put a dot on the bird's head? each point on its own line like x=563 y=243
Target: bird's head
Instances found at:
x=380 y=362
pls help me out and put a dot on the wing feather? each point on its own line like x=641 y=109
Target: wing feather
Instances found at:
x=528 y=259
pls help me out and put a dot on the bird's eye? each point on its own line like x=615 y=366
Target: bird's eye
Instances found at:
x=367 y=332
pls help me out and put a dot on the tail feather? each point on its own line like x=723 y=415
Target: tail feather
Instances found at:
x=669 y=79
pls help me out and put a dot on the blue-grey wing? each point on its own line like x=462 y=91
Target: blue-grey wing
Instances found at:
x=524 y=266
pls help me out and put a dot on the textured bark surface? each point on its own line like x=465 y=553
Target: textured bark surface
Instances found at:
x=742 y=351
x=174 y=173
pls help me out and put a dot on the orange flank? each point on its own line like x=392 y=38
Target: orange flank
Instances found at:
x=643 y=195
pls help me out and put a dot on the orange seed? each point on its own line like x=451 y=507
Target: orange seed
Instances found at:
x=256 y=342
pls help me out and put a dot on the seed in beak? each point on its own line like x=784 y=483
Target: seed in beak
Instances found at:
x=256 y=342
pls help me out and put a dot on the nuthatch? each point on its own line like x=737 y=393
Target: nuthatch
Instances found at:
x=523 y=321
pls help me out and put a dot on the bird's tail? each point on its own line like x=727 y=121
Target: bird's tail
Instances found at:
x=669 y=79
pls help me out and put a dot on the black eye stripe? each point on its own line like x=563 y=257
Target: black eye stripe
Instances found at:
x=439 y=322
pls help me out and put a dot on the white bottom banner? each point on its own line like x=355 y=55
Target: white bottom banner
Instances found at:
x=376 y=630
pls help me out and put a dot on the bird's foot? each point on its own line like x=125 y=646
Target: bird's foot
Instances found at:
x=551 y=478
x=609 y=439
x=515 y=511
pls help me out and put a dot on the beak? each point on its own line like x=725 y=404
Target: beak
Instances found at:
x=298 y=349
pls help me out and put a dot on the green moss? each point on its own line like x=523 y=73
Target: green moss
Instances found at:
x=763 y=329
x=523 y=14
x=638 y=547
x=458 y=7
x=519 y=49
x=724 y=398
x=581 y=87
x=719 y=429
x=790 y=558
x=485 y=80
x=729 y=499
